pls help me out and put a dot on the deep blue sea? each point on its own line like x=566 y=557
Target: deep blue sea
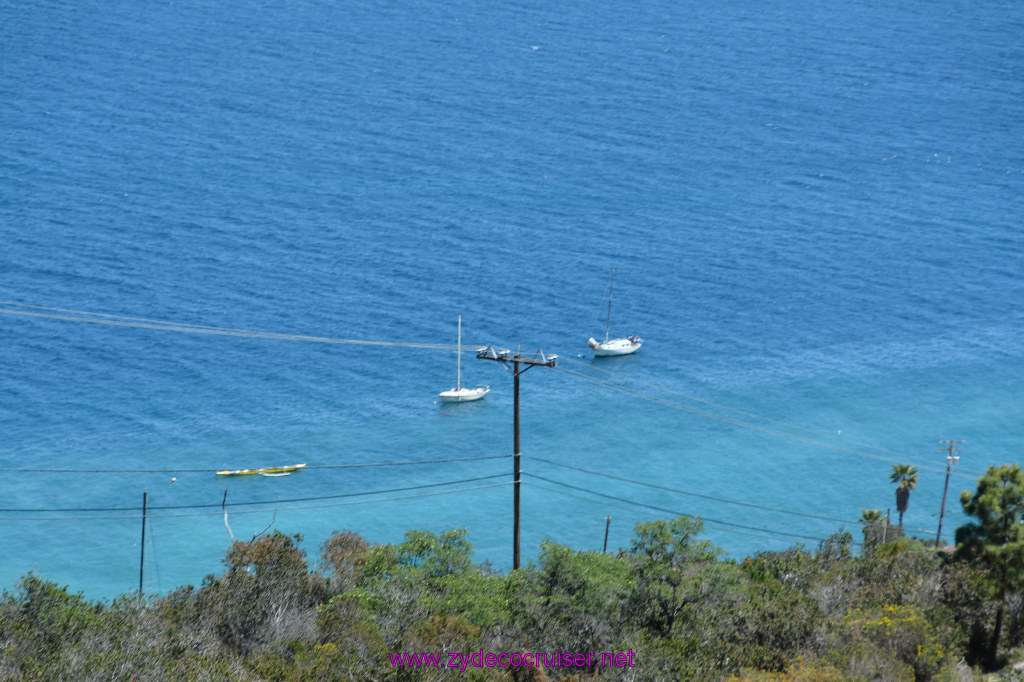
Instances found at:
x=813 y=211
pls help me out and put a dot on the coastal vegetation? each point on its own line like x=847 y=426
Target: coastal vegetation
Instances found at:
x=897 y=609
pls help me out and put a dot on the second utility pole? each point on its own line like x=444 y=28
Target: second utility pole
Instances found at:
x=505 y=357
x=951 y=459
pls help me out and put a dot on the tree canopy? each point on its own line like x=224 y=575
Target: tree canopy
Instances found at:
x=996 y=538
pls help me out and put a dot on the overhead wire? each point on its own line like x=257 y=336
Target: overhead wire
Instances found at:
x=220 y=505
x=744 y=413
x=214 y=470
x=731 y=420
x=714 y=498
x=71 y=315
x=604 y=503
x=255 y=511
x=705 y=519
x=66 y=314
x=680 y=491
x=277 y=502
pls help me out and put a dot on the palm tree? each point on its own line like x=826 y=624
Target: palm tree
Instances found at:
x=871 y=523
x=870 y=517
x=906 y=476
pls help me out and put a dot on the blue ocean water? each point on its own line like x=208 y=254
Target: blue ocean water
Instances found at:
x=813 y=212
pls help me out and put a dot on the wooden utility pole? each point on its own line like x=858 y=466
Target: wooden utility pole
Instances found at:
x=951 y=459
x=520 y=364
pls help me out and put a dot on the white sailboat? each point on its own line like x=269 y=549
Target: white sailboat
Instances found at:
x=620 y=346
x=460 y=394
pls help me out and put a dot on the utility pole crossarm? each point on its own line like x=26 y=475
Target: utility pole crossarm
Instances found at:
x=504 y=355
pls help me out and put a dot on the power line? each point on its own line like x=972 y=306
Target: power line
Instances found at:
x=603 y=503
x=253 y=511
x=71 y=315
x=253 y=503
x=119 y=320
x=714 y=498
x=419 y=487
x=719 y=522
x=187 y=328
x=692 y=494
x=731 y=420
x=338 y=496
x=214 y=470
x=745 y=413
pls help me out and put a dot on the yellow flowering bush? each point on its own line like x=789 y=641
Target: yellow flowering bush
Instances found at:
x=902 y=630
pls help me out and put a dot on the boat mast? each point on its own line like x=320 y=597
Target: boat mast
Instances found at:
x=611 y=290
x=458 y=383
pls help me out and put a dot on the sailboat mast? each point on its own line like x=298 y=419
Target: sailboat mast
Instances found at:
x=611 y=291
x=458 y=383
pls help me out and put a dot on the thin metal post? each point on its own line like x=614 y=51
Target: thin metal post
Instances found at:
x=607 y=525
x=142 y=548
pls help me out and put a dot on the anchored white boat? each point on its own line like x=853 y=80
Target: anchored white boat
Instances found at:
x=620 y=346
x=263 y=471
x=460 y=394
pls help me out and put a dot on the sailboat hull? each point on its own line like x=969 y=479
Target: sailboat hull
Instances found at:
x=464 y=395
x=623 y=346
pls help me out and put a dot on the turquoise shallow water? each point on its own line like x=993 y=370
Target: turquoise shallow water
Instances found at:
x=813 y=213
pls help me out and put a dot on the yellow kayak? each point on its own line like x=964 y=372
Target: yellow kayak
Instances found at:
x=265 y=470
